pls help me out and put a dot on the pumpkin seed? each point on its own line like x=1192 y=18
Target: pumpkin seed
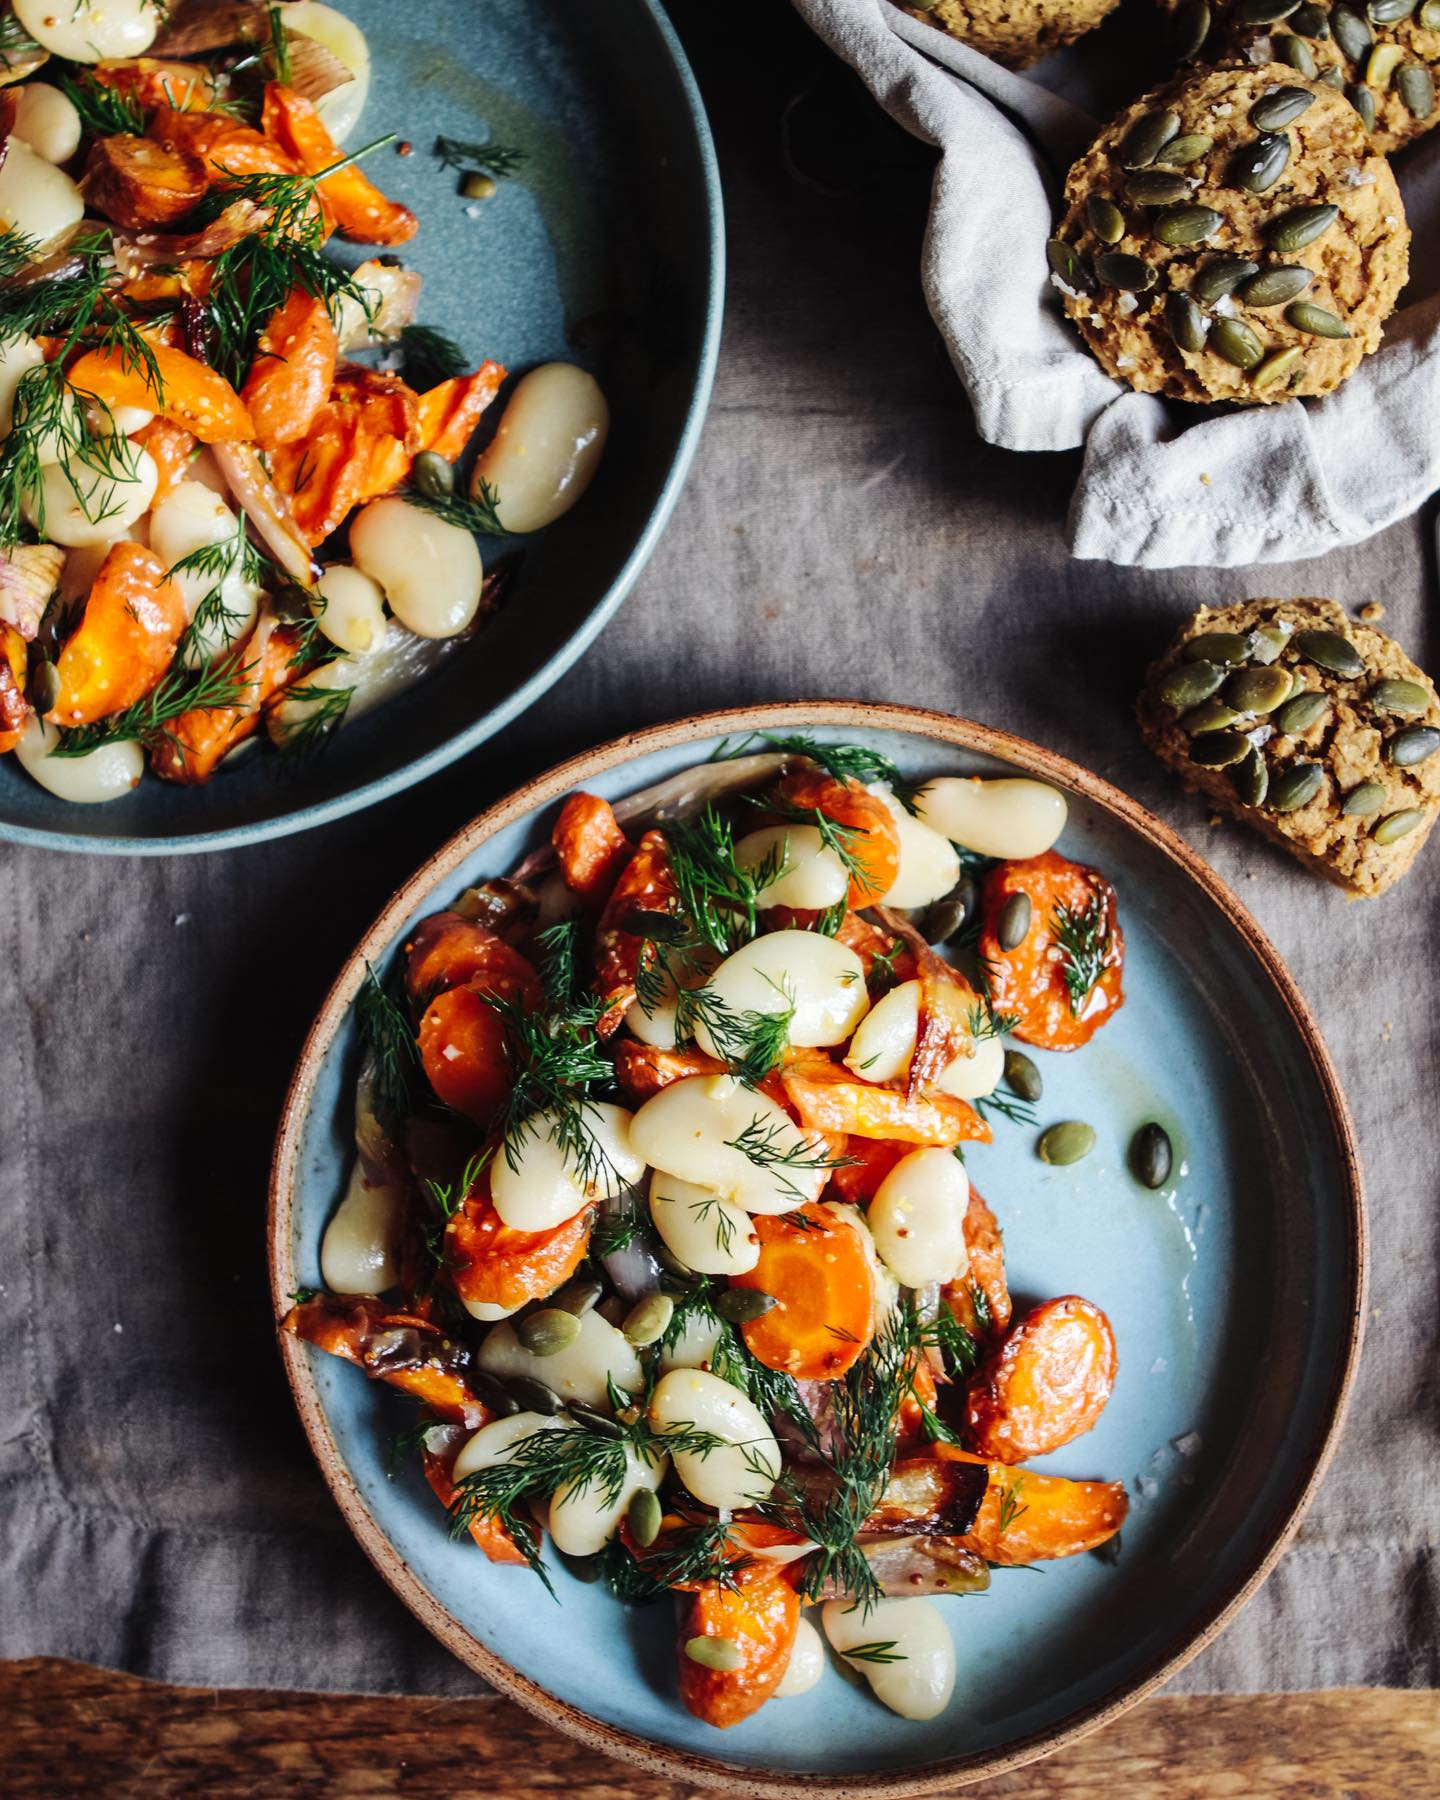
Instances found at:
x=647 y=1319
x=1381 y=64
x=1250 y=778
x=1022 y=1077
x=1351 y=33
x=1397 y=825
x=578 y=1297
x=1257 y=166
x=1106 y=219
x=1151 y=1157
x=643 y=1516
x=1147 y=137
x=1218 y=749
x=1186 y=150
x=1389 y=12
x=1273 y=287
x=600 y=1423
x=1316 y=320
x=951 y=913
x=1273 y=112
x=722 y=1654
x=1013 y=926
x=1186 y=225
x=1264 y=12
x=534 y=1396
x=1328 y=650
x=1258 y=690
x=1237 y=343
x=1407 y=699
x=1191 y=27
x=1363 y=101
x=1331 y=77
x=1066 y=1142
x=475 y=184
x=547 y=1332
x=1188 y=683
x=669 y=1261
x=42 y=684
x=1301 y=226
x=432 y=475
x=1270 y=640
x=495 y=1395
x=1411 y=745
x=1301 y=712
x=1297 y=787
x=1222 y=277
x=1188 y=325
x=1416 y=87
x=1279 y=365
x=1157 y=187
x=741 y=1305
x=1066 y=263
x=1118 y=269
x=1295 y=52
x=1362 y=801
x=1209 y=715
x=1430 y=14
x=1228 y=647
x=1311 y=21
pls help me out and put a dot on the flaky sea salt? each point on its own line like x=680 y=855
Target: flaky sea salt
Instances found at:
x=1065 y=287
x=1355 y=177
x=1126 y=304
x=1190 y=1444
x=1225 y=307
x=1124 y=362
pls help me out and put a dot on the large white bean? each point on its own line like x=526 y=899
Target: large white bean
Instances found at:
x=36 y=198
x=691 y=1129
x=743 y=1468
x=809 y=875
x=488 y=1312
x=693 y=1346
x=77 y=505
x=919 y=1682
x=495 y=1443
x=430 y=570
x=822 y=978
x=582 y=1522
x=806 y=1664
x=18 y=356
x=535 y=1182
x=343 y=38
x=1008 y=816
x=91 y=31
x=547 y=448
x=929 y=866
x=357 y=1252
x=976 y=1071
x=352 y=613
x=192 y=517
x=307 y=705
x=710 y=1235
x=884 y=1044
x=579 y=1371
x=108 y=773
x=917 y=1218
x=47 y=121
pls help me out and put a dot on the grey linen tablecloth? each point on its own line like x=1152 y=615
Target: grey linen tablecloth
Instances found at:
x=844 y=533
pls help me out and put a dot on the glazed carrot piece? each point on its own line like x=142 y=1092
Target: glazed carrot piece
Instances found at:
x=450 y=412
x=359 y=208
x=645 y=884
x=462 y=1049
x=190 y=393
x=838 y=1104
x=171 y=449
x=1027 y=1518
x=225 y=146
x=985 y=1250
x=362 y=1331
x=125 y=640
x=449 y=951
x=142 y=185
x=875 y=845
x=14 y=708
x=294 y=366
x=359 y=444
x=1046 y=1385
x=823 y=1284
x=156 y=81
x=868 y=1162
x=643 y=1070
x=490 y=1262
x=760 y=1615
x=489 y=1534
x=870 y=943
x=923 y=1393
x=590 y=845
x=192 y=748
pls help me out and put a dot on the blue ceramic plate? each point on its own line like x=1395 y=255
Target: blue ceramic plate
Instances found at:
x=1235 y=1294
x=607 y=249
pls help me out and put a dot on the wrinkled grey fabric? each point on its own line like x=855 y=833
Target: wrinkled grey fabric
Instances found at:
x=845 y=534
x=1162 y=484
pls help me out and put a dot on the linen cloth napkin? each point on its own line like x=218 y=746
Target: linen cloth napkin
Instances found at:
x=1163 y=484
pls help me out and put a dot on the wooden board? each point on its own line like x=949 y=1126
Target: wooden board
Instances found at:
x=68 y=1730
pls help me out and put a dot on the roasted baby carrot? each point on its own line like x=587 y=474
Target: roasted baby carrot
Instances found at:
x=1046 y=1385
x=363 y=1331
x=590 y=845
x=359 y=209
x=1027 y=1518
x=294 y=366
x=192 y=748
x=171 y=448
x=822 y=1280
x=870 y=837
x=450 y=951
x=838 y=1104
x=491 y=1263
x=981 y=1300
x=125 y=640
x=759 y=1615
x=450 y=412
x=189 y=392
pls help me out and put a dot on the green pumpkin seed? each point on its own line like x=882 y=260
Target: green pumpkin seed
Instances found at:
x=1157 y=187
x=1179 y=225
x=1328 y=650
x=42 y=684
x=1397 y=825
x=1222 y=277
x=1218 y=749
x=1257 y=166
x=1331 y=77
x=1186 y=150
x=1406 y=699
x=1106 y=219
x=1301 y=226
x=432 y=475
x=1363 y=101
x=1188 y=325
x=1273 y=112
x=1301 y=712
x=579 y=1297
x=722 y=1654
x=547 y=1332
x=1209 y=715
x=1296 y=787
x=496 y=1396
x=1365 y=800
x=1250 y=778
x=1066 y=1142
x=951 y=914
x=646 y=1321
x=1013 y=926
x=741 y=1305
x=1264 y=12
x=1279 y=366
x=1151 y=1155
x=672 y=1264
x=1237 y=343
x=1295 y=52
x=1191 y=27
x=1389 y=12
x=1118 y=269
x=1429 y=15
x=1411 y=745
x=1147 y=137
x=534 y=1396
x=1066 y=263
x=643 y=1515
x=1230 y=648
x=1311 y=21
x=1273 y=287
x=1416 y=87
x=1351 y=33
x=1022 y=1077
x=1381 y=65
x=1270 y=640
x=1188 y=683
x=593 y=1420
x=1258 y=690
x=1316 y=320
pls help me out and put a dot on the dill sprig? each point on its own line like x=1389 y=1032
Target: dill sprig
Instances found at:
x=1005 y=1106
x=1083 y=937
x=845 y=762
x=497 y=160
x=232 y=555
x=386 y=1032
x=617 y=1229
x=1011 y=1505
x=279 y=47
x=471 y=512
x=429 y=356
x=877 y=1652
x=17 y=251
x=707 y=1552
x=835 y=837
x=561 y=975
x=325 y=710
x=945 y=1333
x=16 y=44
x=104 y=111
x=750 y=1043
x=718 y=897
x=765 y=1145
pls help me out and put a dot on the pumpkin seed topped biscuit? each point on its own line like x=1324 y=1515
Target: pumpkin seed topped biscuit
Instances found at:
x=1014 y=32
x=1270 y=276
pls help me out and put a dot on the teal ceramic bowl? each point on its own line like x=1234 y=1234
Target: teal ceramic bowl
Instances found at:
x=607 y=249
x=1236 y=1296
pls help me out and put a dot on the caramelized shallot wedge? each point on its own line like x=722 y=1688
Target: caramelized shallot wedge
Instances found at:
x=195 y=26
x=314 y=70
x=266 y=508
x=29 y=574
x=393 y=295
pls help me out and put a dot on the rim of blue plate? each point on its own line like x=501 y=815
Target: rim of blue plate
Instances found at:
x=385 y=787
x=530 y=798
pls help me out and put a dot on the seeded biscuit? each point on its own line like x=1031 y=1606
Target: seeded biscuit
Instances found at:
x=1013 y=32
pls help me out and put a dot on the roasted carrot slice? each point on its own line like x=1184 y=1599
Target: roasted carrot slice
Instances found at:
x=1035 y=979
x=192 y=748
x=759 y=1615
x=190 y=393
x=462 y=1048
x=140 y=184
x=1046 y=1385
x=489 y=1534
x=823 y=1283
x=171 y=449
x=450 y=951
x=14 y=708
x=867 y=1162
x=156 y=81
x=590 y=845
x=837 y=1104
x=988 y=1316
x=490 y=1262
x=1026 y=1517
x=450 y=412
x=873 y=945
x=222 y=143
x=642 y=1069
x=359 y=208
x=401 y=1348
x=125 y=640
x=359 y=444
x=294 y=366
x=645 y=884
x=871 y=839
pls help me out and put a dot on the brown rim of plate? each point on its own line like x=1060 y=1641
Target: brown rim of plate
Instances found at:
x=531 y=797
